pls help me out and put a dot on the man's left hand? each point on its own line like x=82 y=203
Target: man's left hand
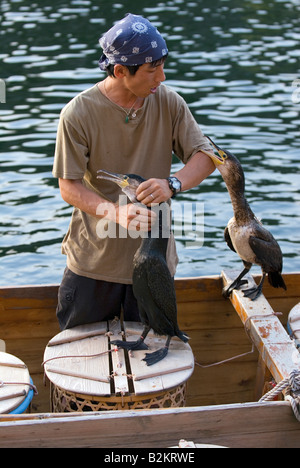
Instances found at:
x=154 y=191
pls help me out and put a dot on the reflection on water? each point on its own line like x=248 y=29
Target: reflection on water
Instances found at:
x=236 y=64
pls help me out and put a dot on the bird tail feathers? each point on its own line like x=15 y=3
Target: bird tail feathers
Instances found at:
x=276 y=280
x=183 y=336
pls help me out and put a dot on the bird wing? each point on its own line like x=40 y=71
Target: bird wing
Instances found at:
x=267 y=251
x=161 y=286
x=228 y=239
x=154 y=290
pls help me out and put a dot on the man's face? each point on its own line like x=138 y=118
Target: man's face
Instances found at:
x=146 y=80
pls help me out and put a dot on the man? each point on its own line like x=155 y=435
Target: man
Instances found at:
x=127 y=123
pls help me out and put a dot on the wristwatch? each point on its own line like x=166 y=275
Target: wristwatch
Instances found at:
x=175 y=185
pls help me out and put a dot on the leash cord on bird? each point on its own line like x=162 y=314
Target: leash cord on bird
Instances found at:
x=225 y=360
x=291 y=385
x=239 y=355
x=248 y=334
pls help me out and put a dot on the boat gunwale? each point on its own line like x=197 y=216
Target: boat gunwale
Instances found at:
x=269 y=424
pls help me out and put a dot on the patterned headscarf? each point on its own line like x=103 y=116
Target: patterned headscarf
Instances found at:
x=132 y=41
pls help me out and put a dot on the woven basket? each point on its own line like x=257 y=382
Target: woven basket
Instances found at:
x=63 y=401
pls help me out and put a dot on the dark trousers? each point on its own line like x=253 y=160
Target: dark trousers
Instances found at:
x=84 y=300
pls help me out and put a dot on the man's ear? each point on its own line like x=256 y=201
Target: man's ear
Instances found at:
x=120 y=71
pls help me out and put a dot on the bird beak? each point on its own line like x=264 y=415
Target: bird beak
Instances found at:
x=218 y=159
x=120 y=179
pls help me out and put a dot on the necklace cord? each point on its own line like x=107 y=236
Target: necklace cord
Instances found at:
x=126 y=111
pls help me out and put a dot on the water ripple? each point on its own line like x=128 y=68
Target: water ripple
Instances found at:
x=235 y=65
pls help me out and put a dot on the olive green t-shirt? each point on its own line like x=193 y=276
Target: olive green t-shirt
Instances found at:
x=92 y=135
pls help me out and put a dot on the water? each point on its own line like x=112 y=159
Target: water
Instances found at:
x=235 y=63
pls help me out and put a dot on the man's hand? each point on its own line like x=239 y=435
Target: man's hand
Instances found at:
x=154 y=191
x=132 y=217
x=135 y=217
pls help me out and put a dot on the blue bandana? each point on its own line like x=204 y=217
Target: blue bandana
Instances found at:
x=132 y=41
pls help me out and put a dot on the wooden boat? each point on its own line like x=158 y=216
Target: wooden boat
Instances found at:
x=222 y=403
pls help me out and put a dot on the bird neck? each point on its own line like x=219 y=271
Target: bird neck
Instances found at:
x=234 y=179
x=240 y=205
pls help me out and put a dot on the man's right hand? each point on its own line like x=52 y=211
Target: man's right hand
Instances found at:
x=135 y=217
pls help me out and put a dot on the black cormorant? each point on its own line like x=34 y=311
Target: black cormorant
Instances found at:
x=244 y=233
x=153 y=285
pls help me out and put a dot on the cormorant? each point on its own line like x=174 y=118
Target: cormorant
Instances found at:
x=153 y=285
x=244 y=233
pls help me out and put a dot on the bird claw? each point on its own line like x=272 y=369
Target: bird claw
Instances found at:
x=227 y=291
x=130 y=345
x=153 y=358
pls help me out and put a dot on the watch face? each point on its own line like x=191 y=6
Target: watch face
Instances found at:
x=176 y=184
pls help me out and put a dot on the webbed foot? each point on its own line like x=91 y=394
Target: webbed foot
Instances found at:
x=130 y=345
x=153 y=358
x=253 y=293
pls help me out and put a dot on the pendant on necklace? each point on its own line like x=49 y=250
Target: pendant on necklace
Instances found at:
x=128 y=116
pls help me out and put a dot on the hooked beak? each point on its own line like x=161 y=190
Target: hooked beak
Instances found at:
x=218 y=159
x=120 y=179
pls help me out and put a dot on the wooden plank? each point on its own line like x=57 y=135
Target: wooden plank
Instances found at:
x=175 y=369
x=2 y=346
x=252 y=425
x=207 y=288
x=187 y=289
x=37 y=292
x=71 y=366
x=293 y=287
x=207 y=315
x=268 y=334
x=118 y=360
x=137 y=366
x=263 y=377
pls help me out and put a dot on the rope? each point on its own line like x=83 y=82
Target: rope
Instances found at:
x=110 y=333
x=225 y=360
x=62 y=372
x=247 y=330
x=295 y=402
x=292 y=387
x=78 y=356
x=31 y=386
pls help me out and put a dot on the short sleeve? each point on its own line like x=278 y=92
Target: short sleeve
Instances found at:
x=188 y=137
x=71 y=152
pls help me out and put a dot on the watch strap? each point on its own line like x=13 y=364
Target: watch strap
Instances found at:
x=172 y=181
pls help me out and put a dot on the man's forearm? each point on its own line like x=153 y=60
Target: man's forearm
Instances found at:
x=76 y=194
x=198 y=168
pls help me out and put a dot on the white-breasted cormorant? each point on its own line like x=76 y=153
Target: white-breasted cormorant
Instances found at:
x=244 y=233
x=153 y=285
